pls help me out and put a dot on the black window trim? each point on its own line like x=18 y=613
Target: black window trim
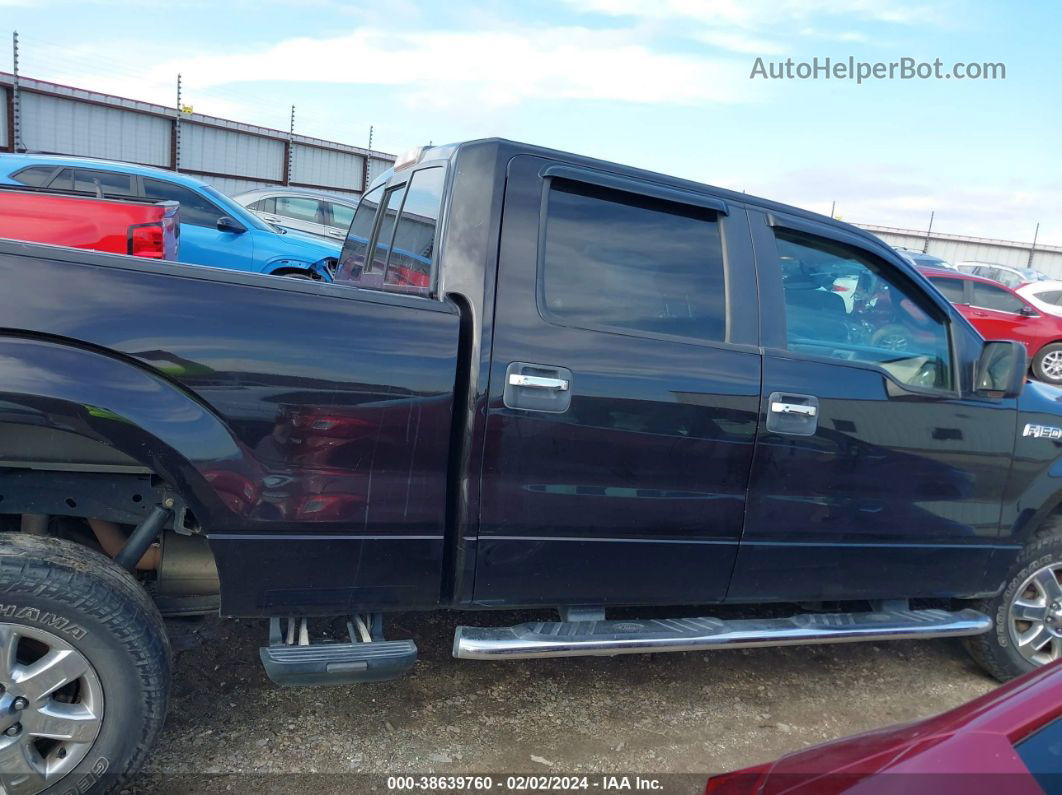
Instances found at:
x=650 y=191
x=842 y=236
x=605 y=179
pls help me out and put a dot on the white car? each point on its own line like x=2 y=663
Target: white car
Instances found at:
x=1007 y=275
x=1045 y=296
x=314 y=212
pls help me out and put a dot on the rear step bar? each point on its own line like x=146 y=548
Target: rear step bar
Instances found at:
x=295 y=662
x=606 y=638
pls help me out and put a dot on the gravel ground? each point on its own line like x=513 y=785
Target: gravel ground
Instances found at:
x=652 y=714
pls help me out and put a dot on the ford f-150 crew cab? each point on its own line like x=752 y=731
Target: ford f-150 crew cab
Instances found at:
x=538 y=381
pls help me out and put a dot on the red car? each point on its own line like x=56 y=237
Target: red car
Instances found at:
x=999 y=313
x=1007 y=741
x=120 y=226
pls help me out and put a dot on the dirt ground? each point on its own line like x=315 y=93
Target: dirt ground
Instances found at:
x=231 y=730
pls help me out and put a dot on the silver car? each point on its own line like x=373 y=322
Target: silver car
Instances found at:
x=316 y=212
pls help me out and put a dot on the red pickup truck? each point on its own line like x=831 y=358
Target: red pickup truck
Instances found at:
x=120 y=226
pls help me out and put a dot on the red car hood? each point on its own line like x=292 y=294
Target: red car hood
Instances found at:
x=969 y=742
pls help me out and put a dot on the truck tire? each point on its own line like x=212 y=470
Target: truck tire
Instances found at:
x=1047 y=364
x=1027 y=615
x=84 y=668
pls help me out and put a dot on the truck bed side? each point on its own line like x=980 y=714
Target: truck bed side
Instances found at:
x=308 y=424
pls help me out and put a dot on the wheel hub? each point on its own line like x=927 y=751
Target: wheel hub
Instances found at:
x=1035 y=616
x=51 y=708
x=10 y=711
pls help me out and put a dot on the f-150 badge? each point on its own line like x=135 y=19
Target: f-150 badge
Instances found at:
x=1042 y=431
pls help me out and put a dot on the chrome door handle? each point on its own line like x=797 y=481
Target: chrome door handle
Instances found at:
x=794 y=408
x=538 y=382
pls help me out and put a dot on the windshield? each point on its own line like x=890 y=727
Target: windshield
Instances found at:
x=241 y=214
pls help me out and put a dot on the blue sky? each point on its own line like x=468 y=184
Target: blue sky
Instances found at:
x=663 y=85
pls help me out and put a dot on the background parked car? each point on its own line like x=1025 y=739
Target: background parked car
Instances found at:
x=310 y=211
x=923 y=260
x=1009 y=740
x=1008 y=275
x=215 y=230
x=1000 y=313
x=1045 y=296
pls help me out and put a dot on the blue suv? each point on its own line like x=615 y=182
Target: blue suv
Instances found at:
x=215 y=230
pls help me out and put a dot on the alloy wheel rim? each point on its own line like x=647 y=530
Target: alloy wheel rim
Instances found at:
x=1051 y=365
x=51 y=708
x=894 y=342
x=1035 y=616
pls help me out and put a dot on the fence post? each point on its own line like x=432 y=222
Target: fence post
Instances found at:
x=368 y=157
x=1032 y=248
x=175 y=142
x=289 y=160
x=16 y=99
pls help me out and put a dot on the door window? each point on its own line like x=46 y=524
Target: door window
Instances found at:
x=300 y=209
x=617 y=260
x=341 y=215
x=107 y=183
x=952 y=289
x=195 y=210
x=843 y=303
x=987 y=296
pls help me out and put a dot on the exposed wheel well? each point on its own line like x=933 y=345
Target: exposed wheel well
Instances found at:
x=97 y=506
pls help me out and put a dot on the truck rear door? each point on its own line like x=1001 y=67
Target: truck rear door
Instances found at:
x=623 y=395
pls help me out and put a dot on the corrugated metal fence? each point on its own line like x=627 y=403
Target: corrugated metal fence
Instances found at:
x=960 y=248
x=232 y=156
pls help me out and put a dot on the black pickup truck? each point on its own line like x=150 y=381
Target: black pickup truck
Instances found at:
x=538 y=381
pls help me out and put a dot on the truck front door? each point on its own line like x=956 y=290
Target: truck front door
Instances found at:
x=878 y=473
x=623 y=393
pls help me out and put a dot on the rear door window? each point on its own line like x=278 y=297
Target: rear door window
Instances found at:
x=341 y=215
x=952 y=289
x=108 y=183
x=625 y=261
x=300 y=209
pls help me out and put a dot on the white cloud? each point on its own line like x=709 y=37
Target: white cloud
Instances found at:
x=741 y=42
x=494 y=67
x=765 y=13
x=888 y=197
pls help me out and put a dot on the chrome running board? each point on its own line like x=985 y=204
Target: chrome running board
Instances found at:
x=606 y=638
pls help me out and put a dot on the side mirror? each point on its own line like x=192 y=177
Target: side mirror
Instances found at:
x=1028 y=311
x=229 y=224
x=1001 y=369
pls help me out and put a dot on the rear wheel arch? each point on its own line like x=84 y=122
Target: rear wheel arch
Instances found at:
x=123 y=411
